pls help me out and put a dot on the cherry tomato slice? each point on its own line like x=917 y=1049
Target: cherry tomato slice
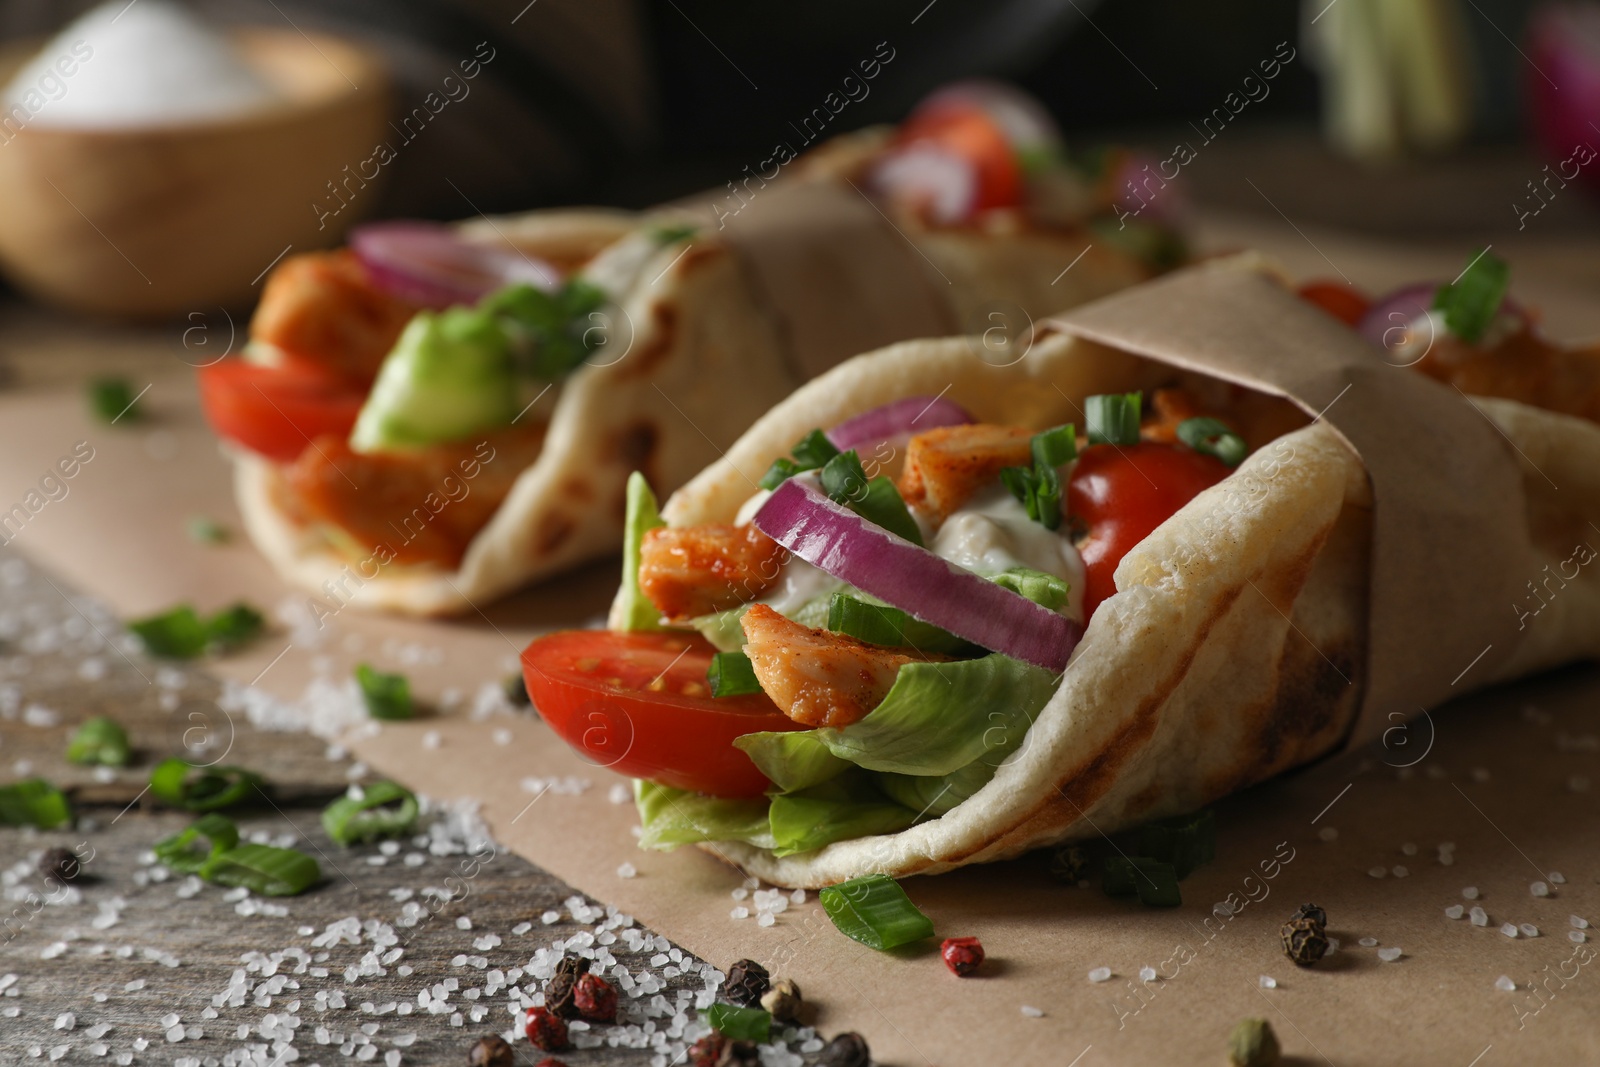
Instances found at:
x=1344 y=302
x=639 y=704
x=276 y=411
x=1125 y=492
x=966 y=131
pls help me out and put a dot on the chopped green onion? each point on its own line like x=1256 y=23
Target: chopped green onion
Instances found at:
x=1154 y=882
x=220 y=834
x=877 y=500
x=1053 y=447
x=875 y=911
x=207 y=531
x=739 y=1024
x=216 y=787
x=1112 y=419
x=810 y=452
x=1185 y=842
x=671 y=234
x=100 y=740
x=180 y=633
x=113 y=398
x=272 y=872
x=731 y=675
x=174 y=634
x=34 y=802
x=879 y=624
x=382 y=809
x=387 y=696
x=1043 y=589
x=1213 y=438
x=1470 y=303
x=232 y=627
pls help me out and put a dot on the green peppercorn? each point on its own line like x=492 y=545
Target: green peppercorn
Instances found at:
x=783 y=1002
x=1253 y=1044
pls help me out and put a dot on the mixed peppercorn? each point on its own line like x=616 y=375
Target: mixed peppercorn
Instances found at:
x=1305 y=935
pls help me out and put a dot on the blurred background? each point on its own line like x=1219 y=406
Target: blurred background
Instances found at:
x=1424 y=120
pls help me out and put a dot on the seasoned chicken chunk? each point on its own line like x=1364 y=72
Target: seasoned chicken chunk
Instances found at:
x=696 y=570
x=816 y=677
x=945 y=467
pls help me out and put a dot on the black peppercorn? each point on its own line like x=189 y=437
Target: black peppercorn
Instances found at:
x=491 y=1052
x=846 y=1050
x=1304 y=941
x=515 y=688
x=559 y=992
x=59 y=865
x=1312 y=912
x=747 y=982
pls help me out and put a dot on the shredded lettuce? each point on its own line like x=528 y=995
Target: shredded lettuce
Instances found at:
x=939 y=717
x=635 y=611
x=794 y=759
x=847 y=807
x=673 y=817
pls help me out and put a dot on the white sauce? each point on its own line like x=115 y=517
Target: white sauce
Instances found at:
x=145 y=64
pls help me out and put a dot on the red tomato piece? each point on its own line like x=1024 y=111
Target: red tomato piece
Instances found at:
x=1344 y=302
x=1123 y=493
x=276 y=411
x=966 y=131
x=639 y=704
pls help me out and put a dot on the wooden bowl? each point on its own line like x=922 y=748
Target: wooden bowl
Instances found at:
x=160 y=221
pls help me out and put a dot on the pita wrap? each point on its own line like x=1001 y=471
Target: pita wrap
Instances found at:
x=706 y=333
x=1239 y=641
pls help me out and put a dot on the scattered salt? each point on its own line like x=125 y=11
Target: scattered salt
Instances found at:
x=1470 y=893
x=1390 y=954
x=1539 y=889
x=1408 y=849
x=1509 y=929
x=1557 y=878
x=1401 y=872
x=1100 y=974
x=1328 y=833
x=1455 y=911
x=1147 y=974
x=1578 y=922
x=1378 y=872
x=1529 y=930
x=1505 y=984
x=1032 y=1012
x=1577 y=936
x=627 y=870
x=1268 y=982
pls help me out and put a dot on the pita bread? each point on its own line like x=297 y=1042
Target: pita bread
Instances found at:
x=707 y=350
x=1235 y=647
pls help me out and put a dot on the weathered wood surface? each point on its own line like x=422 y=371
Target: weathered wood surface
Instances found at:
x=132 y=944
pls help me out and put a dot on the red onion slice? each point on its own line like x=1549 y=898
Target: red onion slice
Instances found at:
x=897 y=422
x=429 y=264
x=1387 y=323
x=801 y=518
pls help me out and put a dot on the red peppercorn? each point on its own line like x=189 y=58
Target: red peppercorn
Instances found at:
x=707 y=1052
x=595 y=998
x=546 y=1029
x=962 y=954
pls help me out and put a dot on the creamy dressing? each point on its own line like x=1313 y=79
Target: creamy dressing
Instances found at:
x=1422 y=332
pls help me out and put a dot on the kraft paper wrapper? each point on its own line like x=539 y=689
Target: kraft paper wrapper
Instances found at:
x=119 y=537
x=1448 y=507
x=837 y=276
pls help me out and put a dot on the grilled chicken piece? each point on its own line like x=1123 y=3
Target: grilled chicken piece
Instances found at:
x=1524 y=367
x=945 y=467
x=819 y=678
x=322 y=307
x=696 y=570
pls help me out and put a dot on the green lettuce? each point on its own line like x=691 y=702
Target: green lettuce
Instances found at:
x=636 y=611
x=793 y=759
x=847 y=807
x=939 y=717
x=672 y=817
x=1043 y=589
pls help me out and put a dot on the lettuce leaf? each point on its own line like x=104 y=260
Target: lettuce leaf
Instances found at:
x=637 y=613
x=1043 y=589
x=673 y=817
x=847 y=807
x=939 y=717
x=793 y=759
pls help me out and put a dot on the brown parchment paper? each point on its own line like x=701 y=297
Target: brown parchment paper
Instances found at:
x=1448 y=504
x=1498 y=782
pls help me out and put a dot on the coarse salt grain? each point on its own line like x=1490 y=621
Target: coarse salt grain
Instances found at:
x=1539 y=889
x=1505 y=984
x=1378 y=872
x=1100 y=974
x=1032 y=1012
x=1147 y=974
x=1455 y=911
x=1470 y=893
x=1529 y=930
x=1328 y=833
x=1401 y=872
x=1509 y=929
x=627 y=870
x=1578 y=922
x=1408 y=849
x=1557 y=878
x=1268 y=982
x=739 y=913
x=1389 y=955
x=1367 y=942
x=1577 y=936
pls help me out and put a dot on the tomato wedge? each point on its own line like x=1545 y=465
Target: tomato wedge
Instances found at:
x=1123 y=493
x=639 y=704
x=964 y=130
x=276 y=411
x=1344 y=302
